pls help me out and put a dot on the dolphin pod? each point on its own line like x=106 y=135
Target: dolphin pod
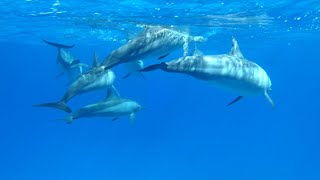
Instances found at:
x=230 y=71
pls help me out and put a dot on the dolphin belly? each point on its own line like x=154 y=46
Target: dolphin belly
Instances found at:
x=109 y=110
x=242 y=79
x=238 y=87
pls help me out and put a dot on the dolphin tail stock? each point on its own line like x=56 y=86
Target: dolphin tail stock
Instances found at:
x=163 y=66
x=58 y=45
x=57 y=105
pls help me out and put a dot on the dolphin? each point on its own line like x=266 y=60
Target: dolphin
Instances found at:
x=96 y=78
x=67 y=62
x=112 y=106
x=230 y=71
x=154 y=41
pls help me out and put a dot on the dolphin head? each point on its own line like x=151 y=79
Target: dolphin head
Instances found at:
x=132 y=106
x=137 y=107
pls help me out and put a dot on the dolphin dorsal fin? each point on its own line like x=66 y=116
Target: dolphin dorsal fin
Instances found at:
x=235 y=50
x=95 y=62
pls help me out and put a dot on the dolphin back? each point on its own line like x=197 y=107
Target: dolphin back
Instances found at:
x=57 y=45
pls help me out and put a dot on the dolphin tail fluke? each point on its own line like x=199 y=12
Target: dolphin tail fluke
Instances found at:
x=58 y=45
x=162 y=66
x=57 y=105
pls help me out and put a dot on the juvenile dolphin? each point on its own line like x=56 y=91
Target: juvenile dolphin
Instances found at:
x=67 y=62
x=231 y=71
x=113 y=106
x=154 y=41
x=95 y=79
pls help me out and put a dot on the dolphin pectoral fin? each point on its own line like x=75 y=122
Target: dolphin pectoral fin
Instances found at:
x=132 y=117
x=269 y=99
x=58 y=105
x=114 y=119
x=59 y=75
x=138 y=72
x=162 y=66
x=58 y=45
x=235 y=100
x=75 y=62
x=161 y=57
x=150 y=68
x=127 y=75
x=142 y=75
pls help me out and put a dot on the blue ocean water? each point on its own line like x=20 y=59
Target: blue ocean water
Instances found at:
x=186 y=131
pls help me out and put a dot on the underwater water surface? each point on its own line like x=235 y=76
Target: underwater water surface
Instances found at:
x=186 y=130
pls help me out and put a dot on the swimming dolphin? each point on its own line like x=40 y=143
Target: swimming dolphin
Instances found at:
x=95 y=79
x=231 y=71
x=113 y=106
x=154 y=41
x=67 y=62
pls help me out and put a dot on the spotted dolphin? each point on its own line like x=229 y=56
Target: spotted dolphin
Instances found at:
x=70 y=65
x=231 y=71
x=96 y=78
x=112 y=106
x=154 y=41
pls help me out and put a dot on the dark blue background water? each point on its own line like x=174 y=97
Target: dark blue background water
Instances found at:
x=186 y=130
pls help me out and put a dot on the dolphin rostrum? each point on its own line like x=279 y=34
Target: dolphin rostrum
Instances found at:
x=154 y=41
x=95 y=79
x=112 y=106
x=231 y=71
x=67 y=62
